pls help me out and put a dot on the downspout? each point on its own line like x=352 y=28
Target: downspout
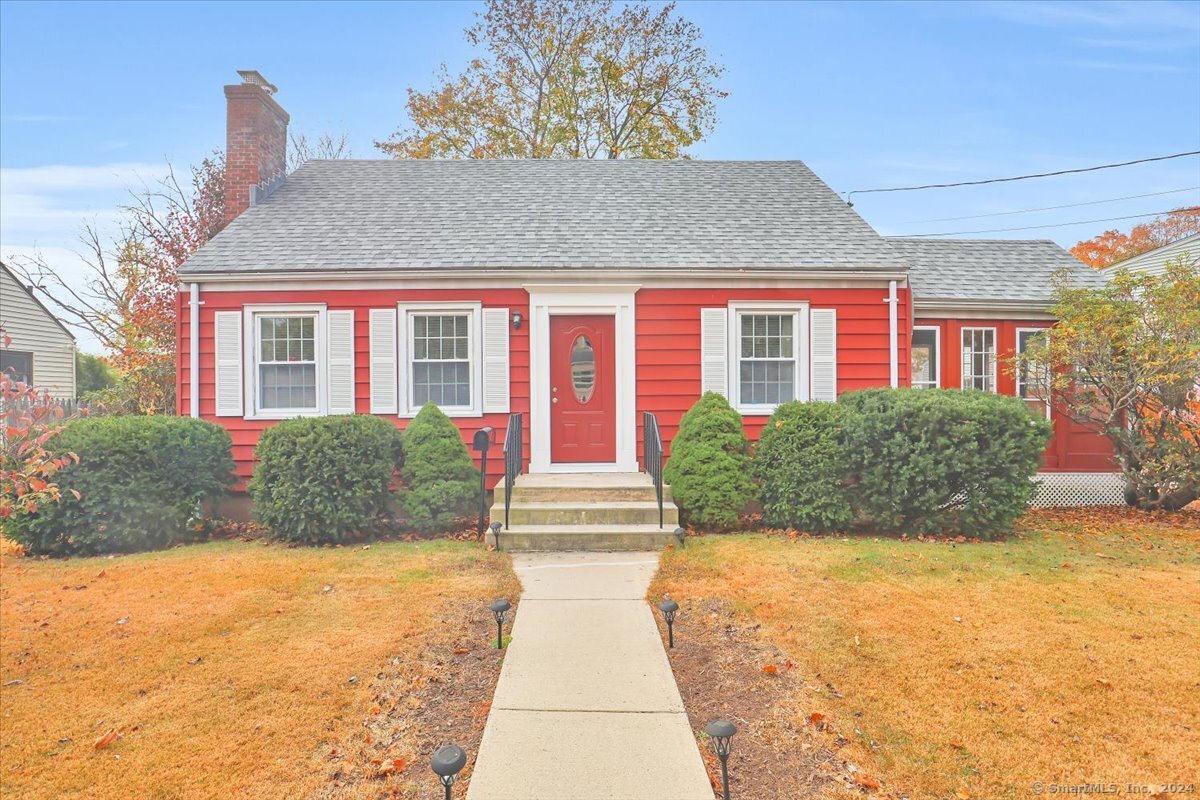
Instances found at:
x=194 y=350
x=893 y=335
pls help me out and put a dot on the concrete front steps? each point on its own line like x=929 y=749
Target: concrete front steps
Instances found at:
x=583 y=511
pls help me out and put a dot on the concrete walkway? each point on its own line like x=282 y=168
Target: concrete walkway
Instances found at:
x=587 y=707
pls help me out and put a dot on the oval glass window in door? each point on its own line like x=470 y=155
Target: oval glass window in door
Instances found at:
x=583 y=368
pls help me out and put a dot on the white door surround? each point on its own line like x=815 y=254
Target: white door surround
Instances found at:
x=549 y=299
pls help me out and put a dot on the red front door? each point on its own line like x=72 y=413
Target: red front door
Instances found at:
x=583 y=396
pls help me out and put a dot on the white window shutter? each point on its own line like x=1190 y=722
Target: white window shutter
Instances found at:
x=714 y=350
x=227 y=335
x=823 y=347
x=384 y=387
x=340 y=327
x=495 y=360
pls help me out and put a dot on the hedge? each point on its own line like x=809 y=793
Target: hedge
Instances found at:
x=325 y=479
x=709 y=467
x=140 y=481
x=932 y=460
x=801 y=464
x=440 y=479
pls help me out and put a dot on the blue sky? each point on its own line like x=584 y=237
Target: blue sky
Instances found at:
x=96 y=98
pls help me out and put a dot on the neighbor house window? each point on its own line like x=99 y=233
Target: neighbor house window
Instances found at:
x=17 y=366
x=286 y=362
x=926 y=363
x=768 y=345
x=979 y=359
x=1033 y=384
x=441 y=363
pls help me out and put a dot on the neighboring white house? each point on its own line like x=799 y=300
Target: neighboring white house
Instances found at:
x=42 y=350
x=1154 y=262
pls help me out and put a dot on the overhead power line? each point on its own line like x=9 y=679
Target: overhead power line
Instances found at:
x=1019 y=177
x=1053 y=208
x=1056 y=225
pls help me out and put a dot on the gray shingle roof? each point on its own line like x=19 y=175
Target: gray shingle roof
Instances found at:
x=988 y=269
x=395 y=215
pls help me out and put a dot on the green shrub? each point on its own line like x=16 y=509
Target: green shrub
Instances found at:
x=441 y=481
x=709 y=469
x=139 y=479
x=325 y=479
x=800 y=463
x=932 y=461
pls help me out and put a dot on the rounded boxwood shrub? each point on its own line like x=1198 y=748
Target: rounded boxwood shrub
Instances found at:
x=709 y=469
x=933 y=461
x=801 y=466
x=325 y=479
x=140 y=481
x=440 y=479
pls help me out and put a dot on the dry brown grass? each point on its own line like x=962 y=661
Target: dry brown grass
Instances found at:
x=230 y=675
x=1069 y=653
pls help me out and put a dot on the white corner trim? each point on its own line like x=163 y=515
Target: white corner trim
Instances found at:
x=405 y=312
x=801 y=353
x=548 y=300
x=193 y=351
x=893 y=301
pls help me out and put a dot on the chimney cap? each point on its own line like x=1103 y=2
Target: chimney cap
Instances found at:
x=255 y=78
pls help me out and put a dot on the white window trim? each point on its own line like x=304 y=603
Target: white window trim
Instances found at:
x=937 y=360
x=1017 y=376
x=800 y=351
x=995 y=354
x=250 y=351
x=404 y=329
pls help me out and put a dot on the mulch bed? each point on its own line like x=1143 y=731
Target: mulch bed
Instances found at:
x=726 y=670
x=443 y=699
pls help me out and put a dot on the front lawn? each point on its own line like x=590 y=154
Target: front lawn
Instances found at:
x=1069 y=653
x=241 y=669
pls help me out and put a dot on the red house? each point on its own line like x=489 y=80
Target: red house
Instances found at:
x=581 y=294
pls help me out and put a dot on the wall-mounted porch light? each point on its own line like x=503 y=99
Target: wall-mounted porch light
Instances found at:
x=517 y=318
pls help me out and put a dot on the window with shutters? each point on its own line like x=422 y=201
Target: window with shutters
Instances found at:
x=979 y=359
x=926 y=358
x=442 y=360
x=285 y=352
x=1033 y=384
x=769 y=349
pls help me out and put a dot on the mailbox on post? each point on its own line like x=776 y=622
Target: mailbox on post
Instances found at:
x=480 y=443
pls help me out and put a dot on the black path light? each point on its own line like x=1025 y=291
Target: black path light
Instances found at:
x=500 y=611
x=447 y=762
x=496 y=526
x=721 y=732
x=669 y=607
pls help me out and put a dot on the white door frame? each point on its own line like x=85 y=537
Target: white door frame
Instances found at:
x=548 y=299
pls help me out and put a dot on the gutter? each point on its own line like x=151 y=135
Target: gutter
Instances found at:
x=893 y=302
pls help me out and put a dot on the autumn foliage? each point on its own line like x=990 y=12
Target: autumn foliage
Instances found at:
x=1113 y=246
x=29 y=459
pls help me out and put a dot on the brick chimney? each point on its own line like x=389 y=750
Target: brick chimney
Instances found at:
x=255 y=140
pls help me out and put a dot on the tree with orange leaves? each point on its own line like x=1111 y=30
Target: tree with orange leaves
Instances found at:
x=1113 y=246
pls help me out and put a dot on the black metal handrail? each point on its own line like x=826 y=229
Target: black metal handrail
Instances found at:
x=514 y=457
x=652 y=450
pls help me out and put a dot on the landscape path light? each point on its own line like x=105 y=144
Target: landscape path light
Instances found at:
x=721 y=732
x=447 y=762
x=669 y=608
x=500 y=611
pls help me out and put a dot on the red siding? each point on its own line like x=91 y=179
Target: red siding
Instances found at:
x=245 y=433
x=668 y=344
x=1072 y=448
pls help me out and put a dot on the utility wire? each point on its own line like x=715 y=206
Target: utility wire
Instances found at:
x=1019 y=177
x=1056 y=225
x=1052 y=208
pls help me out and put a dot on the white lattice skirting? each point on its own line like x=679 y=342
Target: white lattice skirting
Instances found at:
x=1078 y=489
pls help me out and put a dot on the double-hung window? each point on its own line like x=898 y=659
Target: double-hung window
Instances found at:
x=442 y=359
x=979 y=359
x=285 y=351
x=1033 y=383
x=926 y=363
x=770 y=348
